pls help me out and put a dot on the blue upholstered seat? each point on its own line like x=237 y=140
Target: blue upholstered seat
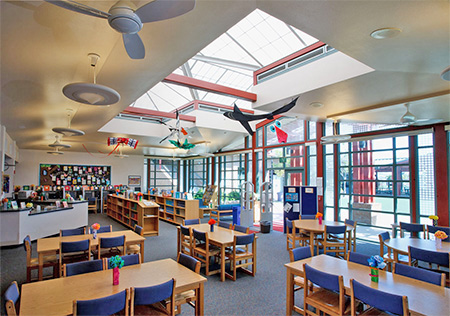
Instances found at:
x=138 y=230
x=382 y=301
x=300 y=253
x=419 y=274
x=129 y=260
x=437 y=257
x=224 y=224
x=104 y=306
x=307 y=216
x=189 y=262
x=241 y=229
x=191 y=221
x=104 y=229
x=74 y=251
x=72 y=232
x=110 y=246
x=349 y=222
x=142 y=298
x=358 y=258
x=83 y=267
x=11 y=297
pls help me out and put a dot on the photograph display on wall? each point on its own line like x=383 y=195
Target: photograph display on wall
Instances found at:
x=62 y=175
x=134 y=180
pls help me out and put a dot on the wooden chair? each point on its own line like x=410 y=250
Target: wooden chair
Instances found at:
x=134 y=249
x=147 y=300
x=293 y=235
x=329 y=298
x=128 y=260
x=441 y=259
x=413 y=229
x=433 y=229
x=242 y=259
x=358 y=258
x=351 y=223
x=108 y=305
x=388 y=256
x=420 y=274
x=194 y=221
x=299 y=282
x=74 y=251
x=72 y=232
x=187 y=297
x=33 y=263
x=11 y=298
x=110 y=246
x=225 y=225
x=83 y=267
x=380 y=302
x=242 y=229
x=185 y=241
x=203 y=251
x=335 y=240
x=92 y=204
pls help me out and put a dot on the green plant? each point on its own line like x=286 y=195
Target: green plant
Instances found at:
x=198 y=194
x=233 y=196
x=115 y=262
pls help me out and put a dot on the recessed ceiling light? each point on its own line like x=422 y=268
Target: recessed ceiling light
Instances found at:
x=446 y=74
x=316 y=104
x=386 y=32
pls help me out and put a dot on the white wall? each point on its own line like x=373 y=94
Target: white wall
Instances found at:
x=27 y=171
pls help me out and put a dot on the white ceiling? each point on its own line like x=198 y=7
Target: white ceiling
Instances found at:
x=45 y=47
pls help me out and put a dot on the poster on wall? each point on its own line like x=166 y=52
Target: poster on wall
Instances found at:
x=134 y=180
x=50 y=175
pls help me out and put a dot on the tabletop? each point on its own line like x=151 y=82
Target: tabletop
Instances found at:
x=219 y=235
x=314 y=226
x=52 y=244
x=423 y=298
x=56 y=296
x=401 y=244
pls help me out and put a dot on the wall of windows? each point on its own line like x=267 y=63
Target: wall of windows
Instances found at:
x=163 y=174
x=425 y=175
x=231 y=176
x=197 y=175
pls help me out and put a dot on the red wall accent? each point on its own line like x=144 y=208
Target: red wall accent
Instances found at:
x=320 y=166
x=413 y=177
x=441 y=164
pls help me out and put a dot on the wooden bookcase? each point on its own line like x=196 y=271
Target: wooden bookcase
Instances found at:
x=131 y=212
x=175 y=210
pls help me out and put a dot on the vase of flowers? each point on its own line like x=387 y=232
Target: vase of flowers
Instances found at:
x=319 y=216
x=115 y=263
x=439 y=236
x=95 y=227
x=139 y=196
x=375 y=263
x=211 y=223
x=434 y=218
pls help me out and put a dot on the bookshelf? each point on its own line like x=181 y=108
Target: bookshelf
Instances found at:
x=175 y=210
x=131 y=212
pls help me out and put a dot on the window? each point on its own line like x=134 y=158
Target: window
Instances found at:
x=294 y=128
x=232 y=175
x=163 y=174
x=197 y=176
x=425 y=176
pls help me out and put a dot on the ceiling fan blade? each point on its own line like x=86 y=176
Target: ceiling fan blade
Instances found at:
x=163 y=9
x=80 y=8
x=422 y=122
x=134 y=46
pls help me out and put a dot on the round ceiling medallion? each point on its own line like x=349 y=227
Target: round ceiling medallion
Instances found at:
x=386 y=32
x=91 y=93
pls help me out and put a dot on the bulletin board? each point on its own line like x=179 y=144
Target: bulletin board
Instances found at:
x=309 y=202
x=61 y=175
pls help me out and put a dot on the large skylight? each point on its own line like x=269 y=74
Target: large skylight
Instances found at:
x=256 y=41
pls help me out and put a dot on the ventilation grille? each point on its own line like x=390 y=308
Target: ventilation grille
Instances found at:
x=140 y=118
x=295 y=63
x=209 y=108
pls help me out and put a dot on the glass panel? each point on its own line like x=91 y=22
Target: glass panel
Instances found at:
x=329 y=180
x=259 y=137
x=343 y=214
x=403 y=206
x=382 y=219
x=404 y=219
x=329 y=214
x=402 y=156
x=293 y=128
x=344 y=200
x=312 y=149
x=385 y=204
x=343 y=147
x=312 y=130
x=425 y=140
x=426 y=181
x=312 y=170
x=354 y=128
x=402 y=142
x=329 y=149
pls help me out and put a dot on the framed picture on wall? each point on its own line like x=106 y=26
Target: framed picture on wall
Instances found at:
x=134 y=180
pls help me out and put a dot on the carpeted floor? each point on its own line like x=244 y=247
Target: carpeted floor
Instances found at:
x=264 y=294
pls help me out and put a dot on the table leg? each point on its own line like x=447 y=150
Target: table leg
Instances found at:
x=289 y=292
x=222 y=263
x=199 y=303
x=311 y=242
x=178 y=240
x=41 y=267
x=142 y=250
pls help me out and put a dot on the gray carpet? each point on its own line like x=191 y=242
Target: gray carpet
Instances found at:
x=264 y=294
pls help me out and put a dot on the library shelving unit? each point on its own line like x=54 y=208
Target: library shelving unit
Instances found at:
x=175 y=210
x=131 y=212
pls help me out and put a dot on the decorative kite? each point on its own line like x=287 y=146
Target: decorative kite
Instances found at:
x=281 y=135
x=237 y=115
x=185 y=145
x=122 y=140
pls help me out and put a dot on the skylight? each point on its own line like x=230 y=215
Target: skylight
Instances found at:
x=256 y=41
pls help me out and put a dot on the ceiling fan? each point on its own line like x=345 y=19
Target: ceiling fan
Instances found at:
x=410 y=119
x=126 y=19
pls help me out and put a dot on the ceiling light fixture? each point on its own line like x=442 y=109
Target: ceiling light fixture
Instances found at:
x=58 y=144
x=68 y=131
x=446 y=74
x=386 y=32
x=335 y=137
x=56 y=152
x=120 y=155
x=91 y=93
x=316 y=105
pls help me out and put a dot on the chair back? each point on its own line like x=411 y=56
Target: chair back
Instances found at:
x=189 y=262
x=186 y=231
x=411 y=228
x=326 y=280
x=335 y=229
x=420 y=274
x=300 y=253
x=108 y=305
x=129 y=260
x=434 y=229
x=349 y=222
x=11 y=297
x=244 y=239
x=191 y=221
x=111 y=242
x=437 y=257
x=358 y=258
x=381 y=300
x=382 y=237
x=242 y=229
x=105 y=229
x=200 y=236
x=28 y=249
x=153 y=294
x=72 y=232
x=74 y=246
x=307 y=216
x=83 y=267
x=92 y=199
x=224 y=224
x=139 y=230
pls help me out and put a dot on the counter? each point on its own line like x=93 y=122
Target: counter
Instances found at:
x=15 y=225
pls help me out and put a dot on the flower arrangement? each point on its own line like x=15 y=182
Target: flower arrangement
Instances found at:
x=139 y=196
x=375 y=263
x=29 y=204
x=211 y=223
x=115 y=263
x=440 y=234
x=434 y=218
x=319 y=216
x=95 y=226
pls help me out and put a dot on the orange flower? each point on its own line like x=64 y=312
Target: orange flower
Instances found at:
x=211 y=221
x=440 y=234
x=319 y=215
x=96 y=226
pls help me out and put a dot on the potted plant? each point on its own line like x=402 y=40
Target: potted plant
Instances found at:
x=375 y=263
x=211 y=223
x=115 y=263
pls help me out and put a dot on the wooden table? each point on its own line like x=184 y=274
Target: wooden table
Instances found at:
x=313 y=227
x=50 y=246
x=222 y=238
x=55 y=297
x=423 y=298
x=400 y=245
